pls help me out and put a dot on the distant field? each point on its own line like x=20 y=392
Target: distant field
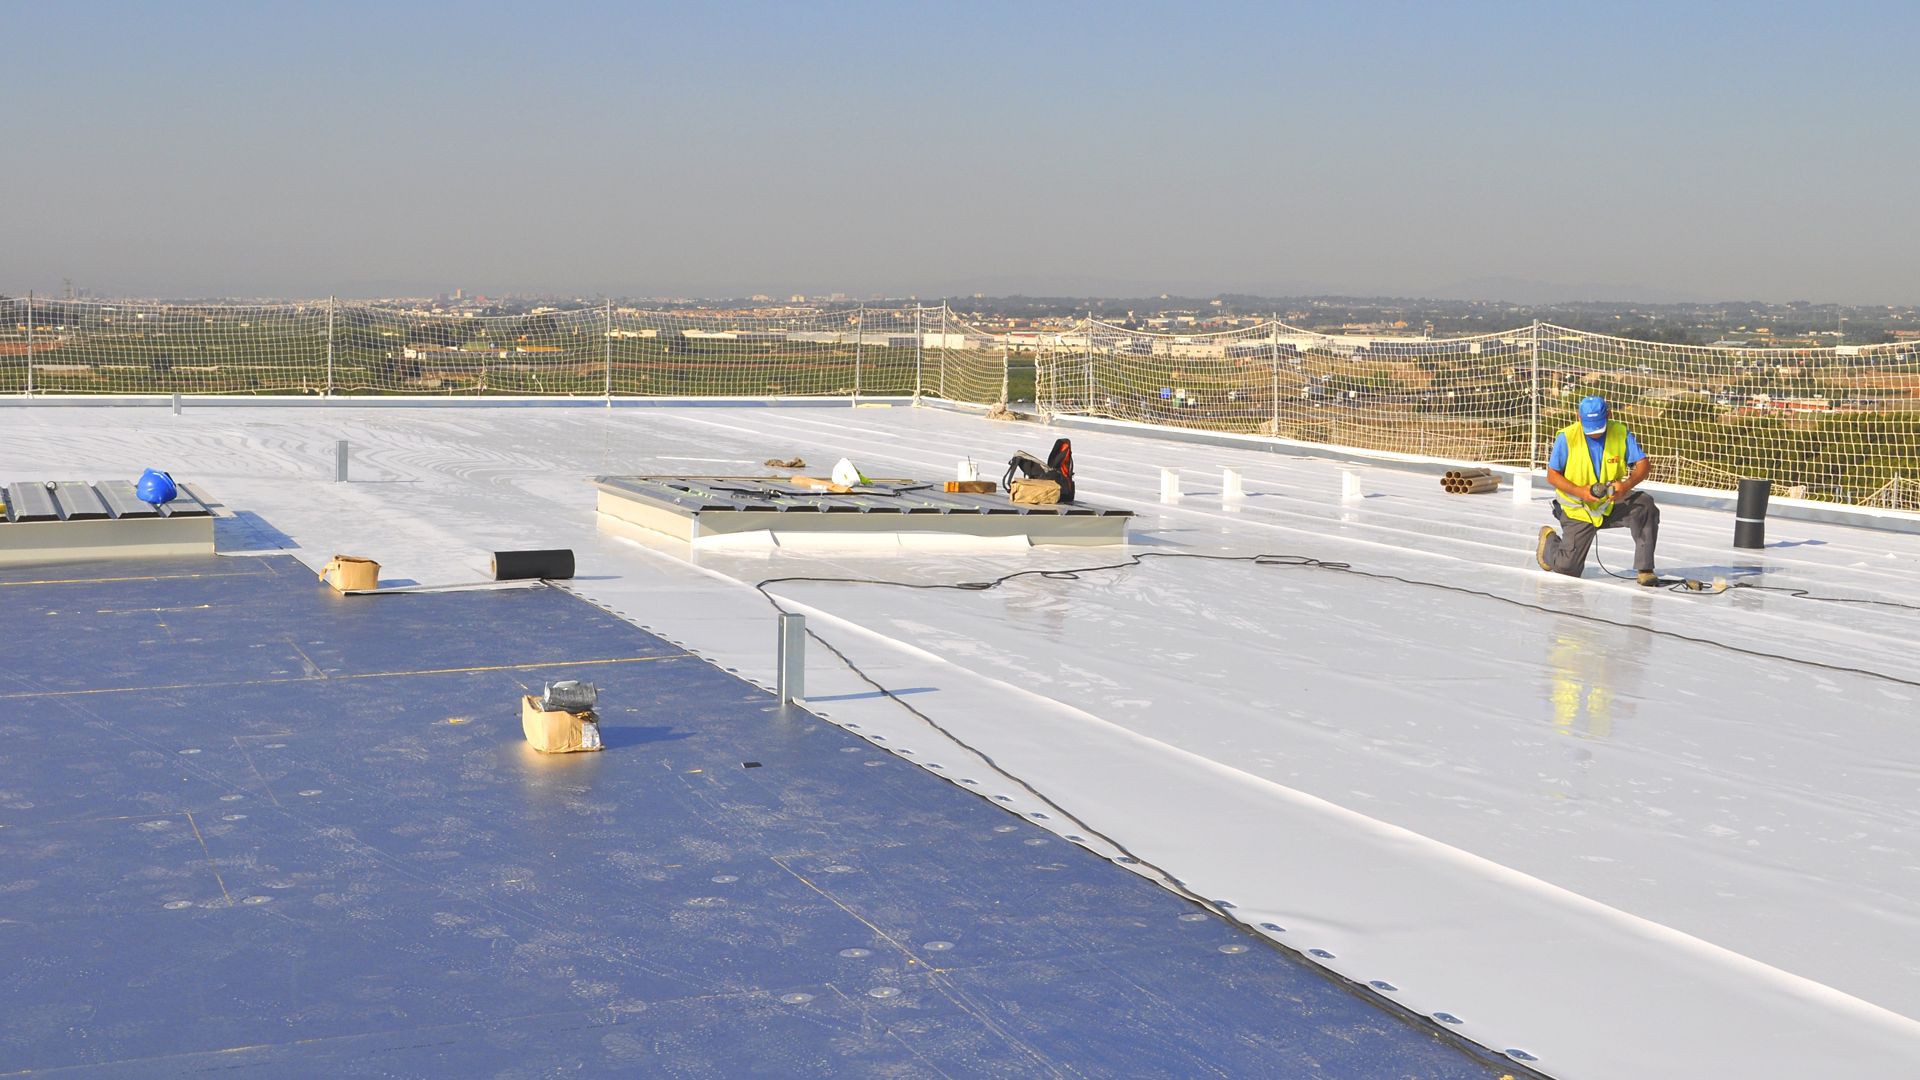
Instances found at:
x=1842 y=426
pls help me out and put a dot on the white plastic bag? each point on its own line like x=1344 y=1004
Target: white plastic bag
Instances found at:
x=846 y=475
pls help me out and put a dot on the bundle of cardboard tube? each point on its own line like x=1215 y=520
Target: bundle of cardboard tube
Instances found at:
x=1470 y=481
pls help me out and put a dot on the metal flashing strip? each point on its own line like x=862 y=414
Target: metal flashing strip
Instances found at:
x=81 y=500
x=723 y=493
x=30 y=502
x=692 y=507
x=77 y=501
x=123 y=502
x=60 y=520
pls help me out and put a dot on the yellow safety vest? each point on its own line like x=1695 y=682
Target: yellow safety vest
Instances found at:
x=1579 y=470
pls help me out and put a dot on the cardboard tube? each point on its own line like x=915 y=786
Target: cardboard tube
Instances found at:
x=1478 y=485
x=1750 y=514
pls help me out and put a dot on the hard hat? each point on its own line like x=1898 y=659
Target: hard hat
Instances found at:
x=1593 y=415
x=155 y=487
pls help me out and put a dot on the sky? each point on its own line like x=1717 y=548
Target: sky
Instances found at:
x=1605 y=151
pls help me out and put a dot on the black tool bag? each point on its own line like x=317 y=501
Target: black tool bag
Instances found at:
x=1058 y=468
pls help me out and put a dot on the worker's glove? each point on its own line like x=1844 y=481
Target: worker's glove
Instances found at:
x=1600 y=491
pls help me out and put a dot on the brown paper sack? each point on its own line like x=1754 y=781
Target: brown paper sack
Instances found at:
x=1035 y=492
x=555 y=732
x=347 y=572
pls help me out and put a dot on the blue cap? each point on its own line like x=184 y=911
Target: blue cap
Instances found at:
x=155 y=487
x=1593 y=415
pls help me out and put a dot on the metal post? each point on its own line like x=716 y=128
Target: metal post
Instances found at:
x=329 y=391
x=1275 y=406
x=1533 y=411
x=340 y=461
x=859 y=341
x=1087 y=406
x=943 y=350
x=1006 y=374
x=29 y=342
x=919 y=352
x=609 y=387
x=1049 y=377
x=791 y=662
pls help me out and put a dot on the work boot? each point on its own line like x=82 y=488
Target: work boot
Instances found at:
x=1547 y=537
x=1648 y=578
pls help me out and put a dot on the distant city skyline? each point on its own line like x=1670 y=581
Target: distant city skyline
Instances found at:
x=1530 y=154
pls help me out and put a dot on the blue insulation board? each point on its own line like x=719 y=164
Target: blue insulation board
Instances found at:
x=248 y=825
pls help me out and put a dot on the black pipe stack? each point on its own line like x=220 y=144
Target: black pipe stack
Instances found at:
x=1750 y=514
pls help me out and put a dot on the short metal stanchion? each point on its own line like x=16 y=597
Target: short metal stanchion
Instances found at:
x=791 y=682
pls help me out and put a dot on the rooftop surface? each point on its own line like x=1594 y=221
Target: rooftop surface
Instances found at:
x=254 y=825
x=1623 y=831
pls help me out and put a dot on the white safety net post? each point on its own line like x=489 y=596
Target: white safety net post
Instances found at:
x=970 y=359
x=331 y=302
x=29 y=350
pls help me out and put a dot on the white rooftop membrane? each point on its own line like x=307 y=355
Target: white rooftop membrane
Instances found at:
x=1614 y=849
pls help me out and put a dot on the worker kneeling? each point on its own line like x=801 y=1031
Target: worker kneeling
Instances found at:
x=1595 y=466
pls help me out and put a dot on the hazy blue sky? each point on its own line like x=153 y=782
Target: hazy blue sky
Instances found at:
x=1714 y=151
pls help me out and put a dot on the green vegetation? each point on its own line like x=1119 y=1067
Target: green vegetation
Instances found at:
x=1844 y=426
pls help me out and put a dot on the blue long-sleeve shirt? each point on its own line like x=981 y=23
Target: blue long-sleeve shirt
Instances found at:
x=1557 y=461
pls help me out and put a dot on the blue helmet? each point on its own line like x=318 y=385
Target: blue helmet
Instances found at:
x=155 y=487
x=1593 y=415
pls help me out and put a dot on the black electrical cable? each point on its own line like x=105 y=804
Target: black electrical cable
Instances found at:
x=1282 y=560
x=1678 y=584
x=1126 y=855
x=1805 y=595
x=1265 y=559
x=1669 y=584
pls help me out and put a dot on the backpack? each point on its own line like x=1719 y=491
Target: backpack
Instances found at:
x=1058 y=468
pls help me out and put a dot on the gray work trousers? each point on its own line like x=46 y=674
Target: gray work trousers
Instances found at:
x=1567 y=554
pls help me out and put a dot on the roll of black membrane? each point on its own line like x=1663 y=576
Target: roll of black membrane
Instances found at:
x=1750 y=514
x=556 y=564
